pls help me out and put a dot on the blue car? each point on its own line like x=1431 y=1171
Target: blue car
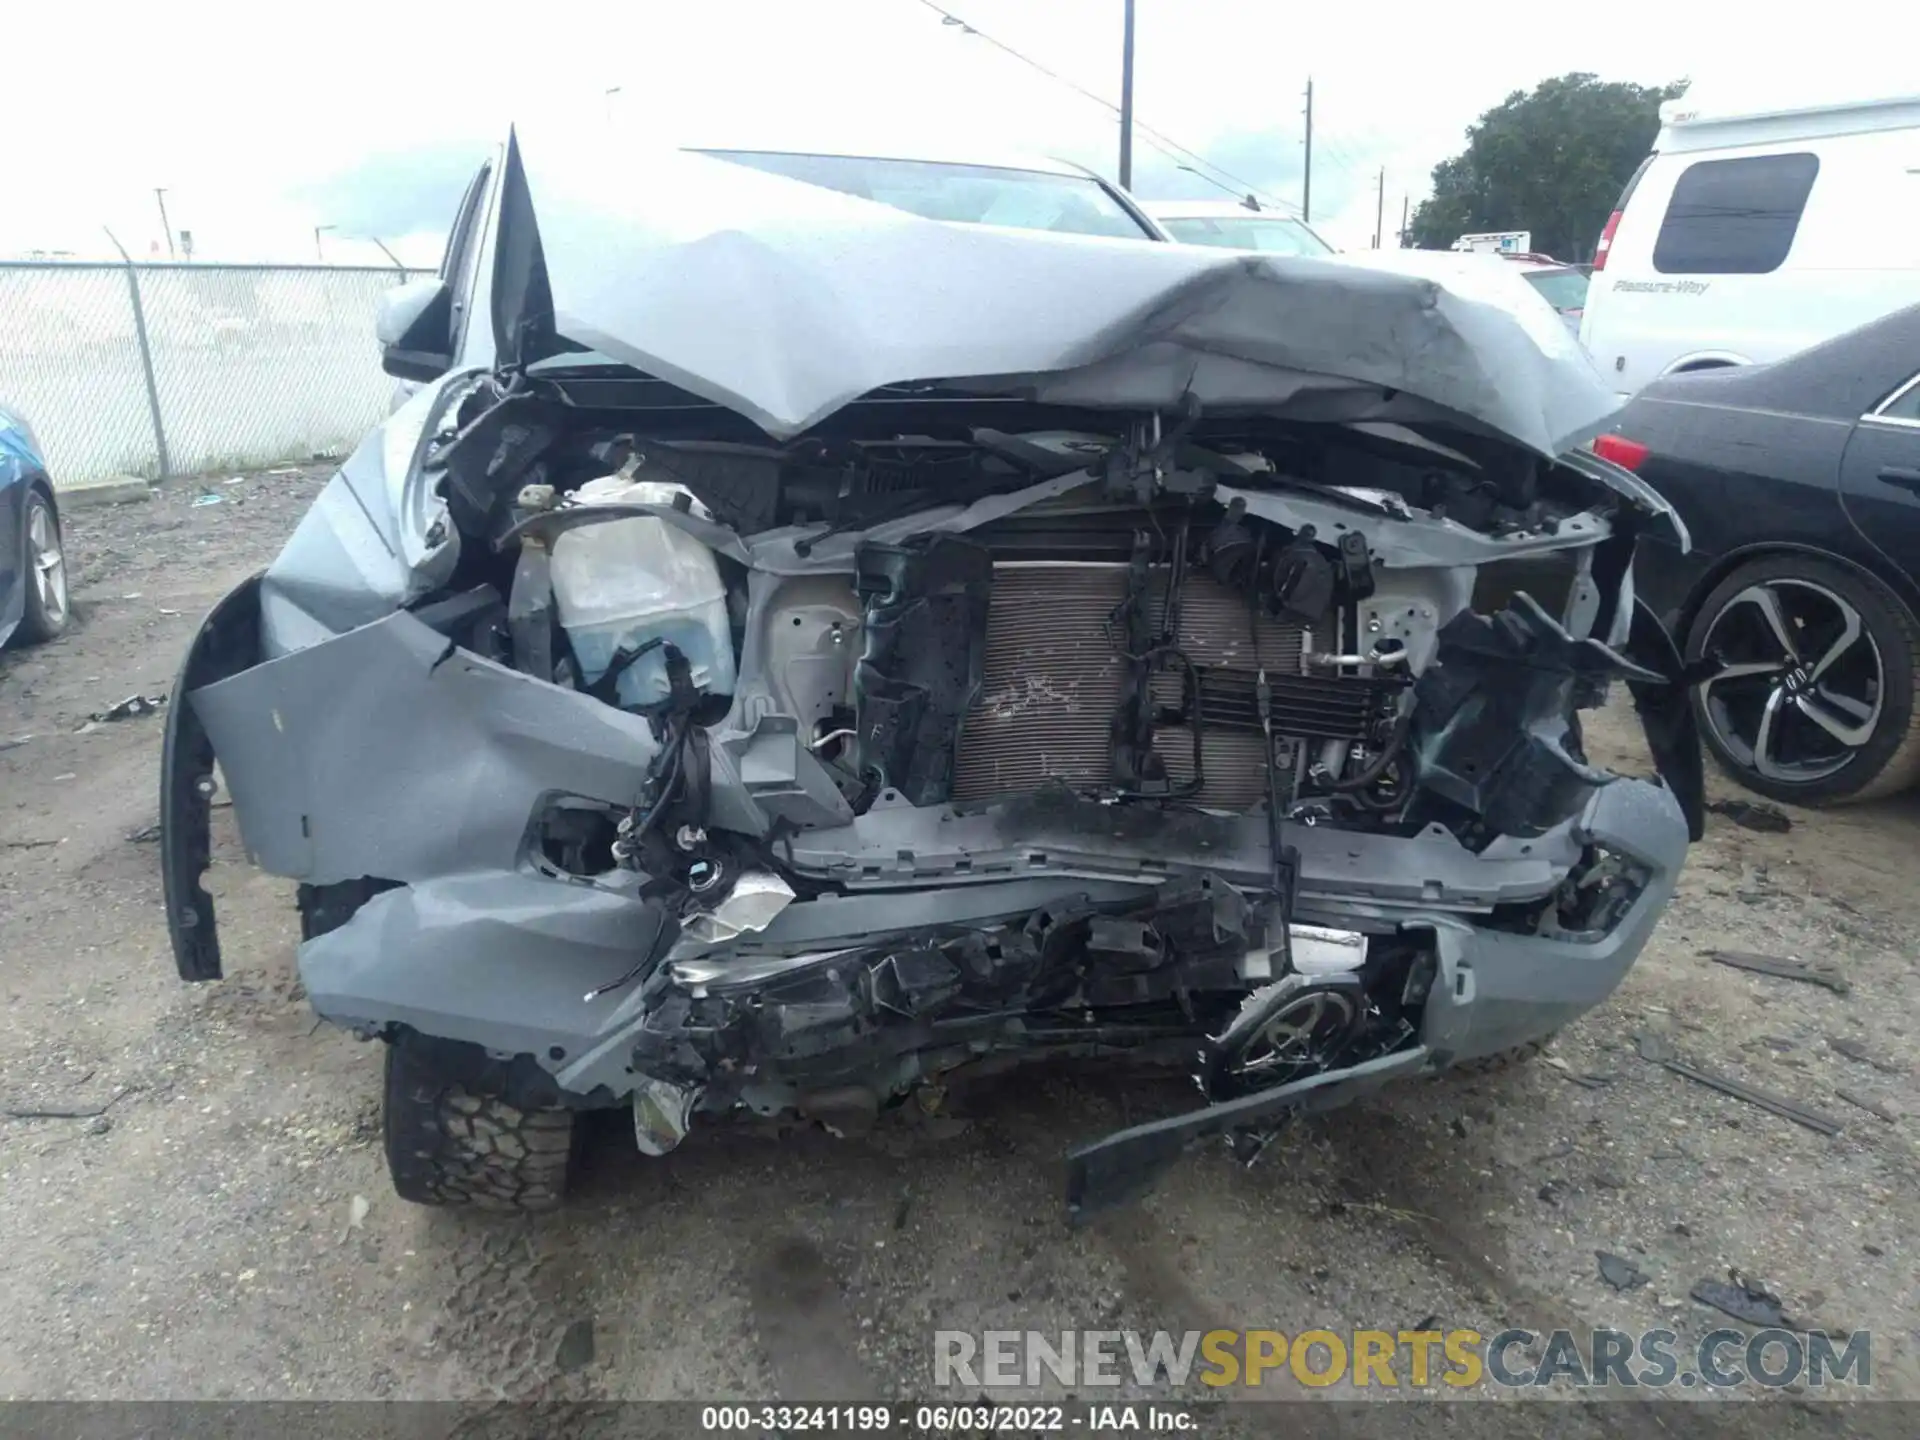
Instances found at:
x=33 y=571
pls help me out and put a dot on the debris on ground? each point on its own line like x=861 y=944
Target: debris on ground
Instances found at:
x=145 y=834
x=1753 y=815
x=575 y=1351
x=1854 y=1050
x=207 y=499
x=68 y=1112
x=1871 y=1106
x=1657 y=1050
x=1782 y=968
x=15 y=743
x=1745 y=1300
x=134 y=707
x=1567 y=1072
x=1619 y=1272
x=28 y=844
x=357 y=1209
x=1654 y=1047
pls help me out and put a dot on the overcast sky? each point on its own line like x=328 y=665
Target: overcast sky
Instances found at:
x=264 y=122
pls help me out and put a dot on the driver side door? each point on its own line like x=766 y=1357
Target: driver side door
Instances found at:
x=1880 y=476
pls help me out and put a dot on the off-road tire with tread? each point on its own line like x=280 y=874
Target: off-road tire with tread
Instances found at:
x=447 y=1145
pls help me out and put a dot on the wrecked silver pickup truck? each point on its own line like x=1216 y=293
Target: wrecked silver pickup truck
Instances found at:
x=824 y=649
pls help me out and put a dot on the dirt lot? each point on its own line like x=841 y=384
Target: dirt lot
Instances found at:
x=223 y=1227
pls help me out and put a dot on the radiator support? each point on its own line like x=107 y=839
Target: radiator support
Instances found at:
x=1053 y=677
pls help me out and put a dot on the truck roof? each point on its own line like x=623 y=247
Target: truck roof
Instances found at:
x=1719 y=119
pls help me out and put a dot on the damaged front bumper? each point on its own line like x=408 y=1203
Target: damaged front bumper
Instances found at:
x=391 y=754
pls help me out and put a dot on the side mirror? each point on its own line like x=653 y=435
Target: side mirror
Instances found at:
x=415 y=330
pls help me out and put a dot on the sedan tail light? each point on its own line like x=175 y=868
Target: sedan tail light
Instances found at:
x=1628 y=454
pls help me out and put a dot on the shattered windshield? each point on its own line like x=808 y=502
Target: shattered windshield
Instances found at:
x=970 y=194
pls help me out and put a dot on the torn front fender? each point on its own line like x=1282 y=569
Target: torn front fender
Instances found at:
x=391 y=752
x=227 y=642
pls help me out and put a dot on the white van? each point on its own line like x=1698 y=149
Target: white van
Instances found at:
x=1752 y=233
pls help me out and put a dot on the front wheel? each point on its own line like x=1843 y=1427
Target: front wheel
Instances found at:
x=46 y=609
x=449 y=1145
x=1813 y=700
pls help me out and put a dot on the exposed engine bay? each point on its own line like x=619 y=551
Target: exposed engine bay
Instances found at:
x=945 y=746
x=791 y=649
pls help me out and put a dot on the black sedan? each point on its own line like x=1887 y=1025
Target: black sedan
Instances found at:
x=1800 y=482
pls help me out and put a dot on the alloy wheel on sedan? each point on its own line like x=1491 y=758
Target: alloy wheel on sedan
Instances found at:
x=47 y=608
x=1812 y=697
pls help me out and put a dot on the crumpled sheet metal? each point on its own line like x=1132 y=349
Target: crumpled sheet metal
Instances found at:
x=756 y=899
x=388 y=751
x=785 y=302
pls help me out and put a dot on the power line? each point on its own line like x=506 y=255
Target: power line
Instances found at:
x=1164 y=143
x=1340 y=153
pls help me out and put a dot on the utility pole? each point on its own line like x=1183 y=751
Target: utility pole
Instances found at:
x=1380 y=208
x=1126 y=104
x=1403 y=222
x=160 y=196
x=1306 y=183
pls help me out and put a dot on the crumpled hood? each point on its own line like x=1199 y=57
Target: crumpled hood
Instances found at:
x=784 y=302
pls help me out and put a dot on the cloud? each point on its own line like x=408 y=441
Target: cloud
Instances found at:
x=394 y=192
x=360 y=118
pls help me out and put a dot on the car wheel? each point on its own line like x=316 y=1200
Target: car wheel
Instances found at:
x=448 y=1145
x=1813 y=700
x=46 y=611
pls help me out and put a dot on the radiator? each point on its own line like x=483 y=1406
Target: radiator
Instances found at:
x=1053 y=680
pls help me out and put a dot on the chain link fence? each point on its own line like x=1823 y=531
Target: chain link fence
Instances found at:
x=175 y=369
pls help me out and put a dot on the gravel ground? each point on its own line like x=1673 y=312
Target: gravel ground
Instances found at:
x=223 y=1228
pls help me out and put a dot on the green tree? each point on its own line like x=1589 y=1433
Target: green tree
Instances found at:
x=1552 y=162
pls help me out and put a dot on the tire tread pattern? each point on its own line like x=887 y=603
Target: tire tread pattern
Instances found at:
x=448 y=1146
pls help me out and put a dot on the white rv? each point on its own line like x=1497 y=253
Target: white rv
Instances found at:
x=1753 y=231
x=1497 y=242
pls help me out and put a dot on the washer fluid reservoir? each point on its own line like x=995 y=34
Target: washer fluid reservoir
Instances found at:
x=621 y=583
